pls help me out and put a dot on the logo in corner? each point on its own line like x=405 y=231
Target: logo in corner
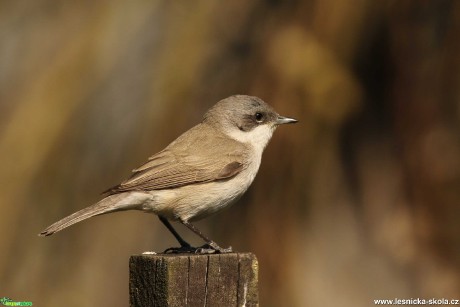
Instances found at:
x=6 y=301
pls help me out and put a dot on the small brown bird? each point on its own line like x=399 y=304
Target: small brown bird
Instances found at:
x=204 y=170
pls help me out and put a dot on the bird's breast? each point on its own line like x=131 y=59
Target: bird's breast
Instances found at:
x=193 y=202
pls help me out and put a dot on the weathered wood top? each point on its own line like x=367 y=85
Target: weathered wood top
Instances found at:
x=194 y=280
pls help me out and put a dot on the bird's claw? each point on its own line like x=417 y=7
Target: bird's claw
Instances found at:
x=212 y=248
x=180 y=250
x=208 y=248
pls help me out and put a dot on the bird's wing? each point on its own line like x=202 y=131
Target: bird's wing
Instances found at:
x=195 y=157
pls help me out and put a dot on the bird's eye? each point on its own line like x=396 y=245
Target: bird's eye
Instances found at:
x=259 y=117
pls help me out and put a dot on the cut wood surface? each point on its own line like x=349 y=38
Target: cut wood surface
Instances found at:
x=194 y=280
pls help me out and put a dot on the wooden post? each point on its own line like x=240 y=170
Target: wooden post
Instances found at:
x=193 y=280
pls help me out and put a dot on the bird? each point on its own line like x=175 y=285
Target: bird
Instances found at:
x=204 y=170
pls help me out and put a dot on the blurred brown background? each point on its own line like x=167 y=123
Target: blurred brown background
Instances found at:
x=359 y=201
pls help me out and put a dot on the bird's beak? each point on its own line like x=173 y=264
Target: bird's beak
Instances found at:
x=285 y=120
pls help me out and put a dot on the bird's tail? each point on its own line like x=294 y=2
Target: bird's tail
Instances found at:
x=111 y=203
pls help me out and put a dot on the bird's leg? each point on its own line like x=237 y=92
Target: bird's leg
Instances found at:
x=184 y=246
x=210 y=245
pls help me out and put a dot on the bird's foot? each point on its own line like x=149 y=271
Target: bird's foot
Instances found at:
x=212 y=248
x=208 y=248
x=180 y=250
